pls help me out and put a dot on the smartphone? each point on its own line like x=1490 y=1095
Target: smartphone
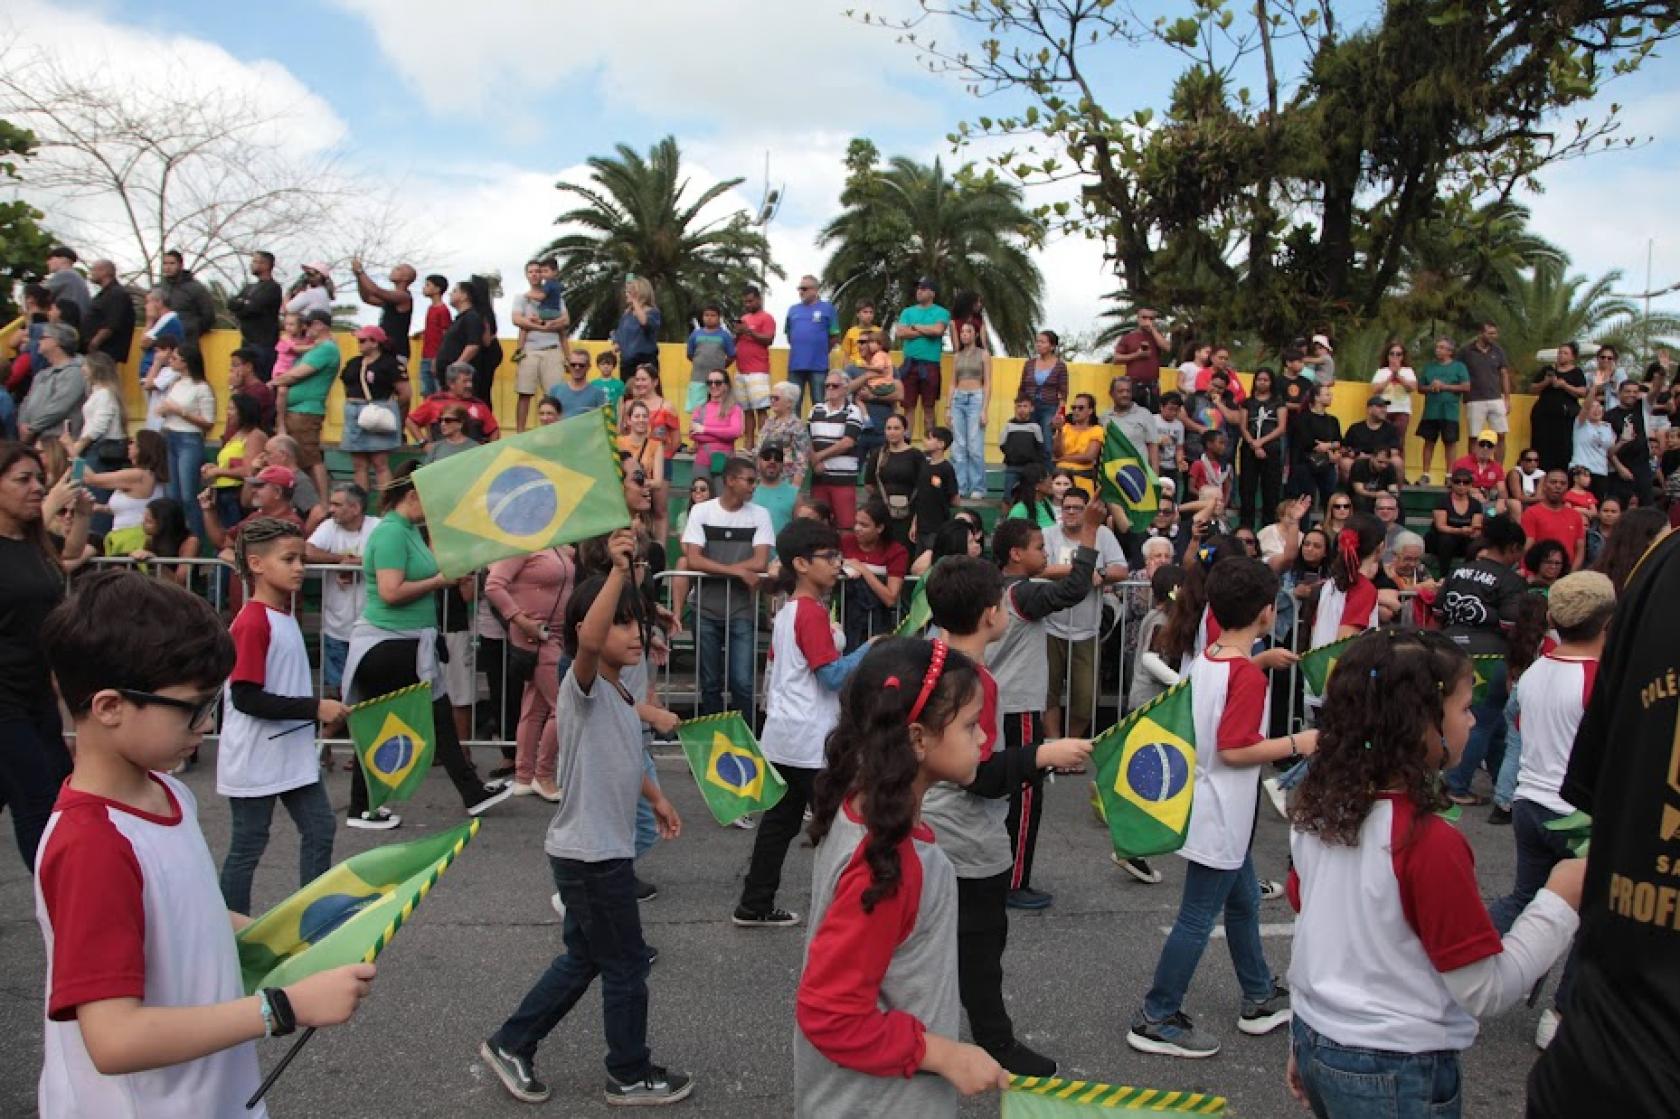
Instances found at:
x=77 y=469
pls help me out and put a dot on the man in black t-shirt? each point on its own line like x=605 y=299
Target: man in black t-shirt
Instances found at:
x=1615 y=1049
x=257 y=310
x=110 y=325
x=1363 y=438
x=1630 y=462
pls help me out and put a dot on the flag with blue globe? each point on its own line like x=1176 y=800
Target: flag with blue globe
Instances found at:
x=734 y=776
x=1127 y=479
x=1146 y=775
x=393 y=736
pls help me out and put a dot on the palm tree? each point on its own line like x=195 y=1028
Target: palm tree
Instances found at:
x=1545 y=305
x=968 y=231
x=636 y=219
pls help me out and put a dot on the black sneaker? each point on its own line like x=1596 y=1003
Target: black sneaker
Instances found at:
x=518 y=1075
x=377 y=820
x=652 y=954
x=491 y=798
x=646 y=891
x=1499 y=817
x=502 y=772
x=1027 y=898
x=1259 y=1018
x=770 y=919
x=657 y=1088
x=1018 y=1059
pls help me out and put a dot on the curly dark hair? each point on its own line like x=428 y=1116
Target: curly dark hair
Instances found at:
x=1177 y=639
x=869 y=749
x=1383 y=706
x=1528 y=633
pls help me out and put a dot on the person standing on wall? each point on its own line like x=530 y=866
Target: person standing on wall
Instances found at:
x=921 y=332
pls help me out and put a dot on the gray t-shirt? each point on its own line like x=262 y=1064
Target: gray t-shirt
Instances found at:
x=1138 y=424
x=600 y=773
x=67 y=284
x=1077 y=623
x=1486 y=382
x=526 y=307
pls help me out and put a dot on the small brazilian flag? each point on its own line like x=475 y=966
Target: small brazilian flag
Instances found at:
x=548 y=486
x=1485 y=666
x=393 y=736
x=1031 y=1097
x=1576 y=829
x=1146 y=774
x=1127 y=479
x=1317 y=664
x=349 y=914
x=733 y=775
x=919 y=615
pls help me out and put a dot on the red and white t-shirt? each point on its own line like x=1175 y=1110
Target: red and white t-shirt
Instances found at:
x=262 y=757
x=130 y=907
x=799 y=711
x=1231 y=701
x=1379 y=923
x=1356 y=606
x=1552 y=696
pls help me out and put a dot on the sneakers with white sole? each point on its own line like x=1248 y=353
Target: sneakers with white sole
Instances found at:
x=658 y=1088
x=1175 y=1037
x=518 y=1075
x=1259 y=1018
x=1275 y=793
x=491 y=798
x=377 y=820
x=1547 y=1028
x=770 y=919
x=1136 y=867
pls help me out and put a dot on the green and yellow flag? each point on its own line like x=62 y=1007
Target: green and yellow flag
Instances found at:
x=1127 y=479
x=1031 y=1097
x=1317 y=664
x=733 y=774
x=349 y=914
x=918 y=617
x=1485 y=666
x=548 y=486
x=1146 y=774
x=393 y=736
x=1576 y=829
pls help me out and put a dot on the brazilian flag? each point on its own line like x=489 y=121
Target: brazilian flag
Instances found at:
x=1127 y=479
x=1576 y=829
x=1317 y=664
x=1032 y=1097
x=349 y=914
x=733 y=774
x=393 y=736
x=919 y=616
x=1485 y=666
x=548 y=486
x=1146 y=774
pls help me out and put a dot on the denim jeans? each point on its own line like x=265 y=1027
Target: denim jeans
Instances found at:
x=33 y=765
x=1510 y=766
x=647 y=825
x=808 y=380
x=1487 y=737
x=428 y=379
x=603 y=936
x=1538 y=851
x=968 y=456
x=1374 y=1083
x=1207 y=893
x=726 y=640
x=309 y=809
x=1042 y=415
x=186 y=456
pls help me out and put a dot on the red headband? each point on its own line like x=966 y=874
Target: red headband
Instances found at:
x=936 y=666
x=1348 y=541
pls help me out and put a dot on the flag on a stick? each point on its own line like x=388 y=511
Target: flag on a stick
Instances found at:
x=347 y=915
x=1127 y=479
x=393 y=736
x=733 y=774
x=919 y=615
x=1317 y=664
x=1146 y=775
x=1031 y=1097
x=545 y=487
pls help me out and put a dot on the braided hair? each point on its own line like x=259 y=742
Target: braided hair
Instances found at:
x=257 y=534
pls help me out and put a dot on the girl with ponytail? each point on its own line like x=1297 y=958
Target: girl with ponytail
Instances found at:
x=1347 y=601
x=884 y=896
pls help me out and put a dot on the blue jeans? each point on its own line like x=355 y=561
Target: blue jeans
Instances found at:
x=968 y=456
x=1510 y=766
x=33 y=766
x=1042 y=415
x=428 y=380
x=1207 y=893
x=1374 y=1083
x=309 y=809
x=810 y=380
x=333 y=655
x=726 y=645
x=1538 y=851
x=603 y=936
x=186 y=456
x=1487 y=737
x=647 y=826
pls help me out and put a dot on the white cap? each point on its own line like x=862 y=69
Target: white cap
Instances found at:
x=1322 y=340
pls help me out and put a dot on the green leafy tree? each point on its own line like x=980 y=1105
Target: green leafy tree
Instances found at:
x=23 y=241
x=1547 y=305
x=970 y=231
x=637 y=217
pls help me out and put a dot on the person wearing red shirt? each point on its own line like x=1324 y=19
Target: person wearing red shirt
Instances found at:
x=1551 y=519
x=1140 y=352
x=481 y=421
x=1486 y=473
x=437 y=322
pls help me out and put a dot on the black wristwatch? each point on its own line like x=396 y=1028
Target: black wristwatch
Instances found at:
x=285 y=1021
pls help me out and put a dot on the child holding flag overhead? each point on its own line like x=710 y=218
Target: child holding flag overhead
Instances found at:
x=965 y=594
x=876 y=1002
x=146 y=1014
x=802 y=688
x=591 y=847
x=266 y=751
x=1395 y=956
x=1230 y=695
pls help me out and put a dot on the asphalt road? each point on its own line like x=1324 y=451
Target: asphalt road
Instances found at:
x=721 y=1004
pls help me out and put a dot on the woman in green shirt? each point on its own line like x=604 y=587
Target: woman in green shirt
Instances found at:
x=1035 y=496
x=395 y=644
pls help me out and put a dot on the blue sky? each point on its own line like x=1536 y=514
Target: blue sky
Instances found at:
x=475 y=109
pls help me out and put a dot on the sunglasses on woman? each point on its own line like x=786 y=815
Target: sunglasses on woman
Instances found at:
x=715 y=384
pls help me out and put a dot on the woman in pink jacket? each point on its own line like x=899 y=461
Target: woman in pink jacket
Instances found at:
x=530 y=592
x=715 y=426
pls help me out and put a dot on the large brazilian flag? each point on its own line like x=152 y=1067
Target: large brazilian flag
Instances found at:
x=1146 y=775
x=393 y=736
x=1127 y=479
x=548 y=486
x=349 y=914
x=1031 y=1097
x=733 y=774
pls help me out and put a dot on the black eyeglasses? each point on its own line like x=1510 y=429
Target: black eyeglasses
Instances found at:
x=638 y=476
x=449 y=419
x=1461 y=481
x=832 y=555
x=1340 y=507
x=200 y=712
x=715 y=384
x=577 y=365
x=1606 y=357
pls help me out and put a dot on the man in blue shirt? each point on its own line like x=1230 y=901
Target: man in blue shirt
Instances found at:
x=811 y=328
x=577 y=393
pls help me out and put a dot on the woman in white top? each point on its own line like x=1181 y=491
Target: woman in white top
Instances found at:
x=313 y=289
x=188 y=411
x=104 y=430
x=131 y=489
x=1396 y=381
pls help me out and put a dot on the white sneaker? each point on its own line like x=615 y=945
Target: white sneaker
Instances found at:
x=522 y=788
x=1547 y=1028
x=1275 y=793
x=377 y=820
x=559 y=906
x=745 y=823
x=1270 y=889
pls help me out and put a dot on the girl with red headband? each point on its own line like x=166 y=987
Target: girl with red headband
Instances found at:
x=1347 y=601
x=884 y=896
